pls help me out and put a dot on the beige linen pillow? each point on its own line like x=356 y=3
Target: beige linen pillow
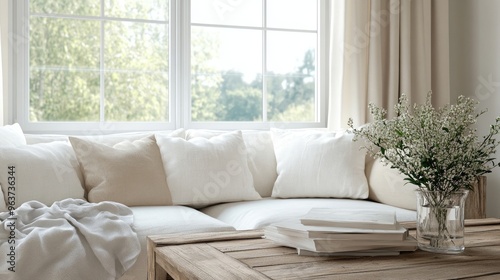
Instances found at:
x=43 y=172
x=128 y=172
x=203 y=171
x=318 y=164
x=388 y=186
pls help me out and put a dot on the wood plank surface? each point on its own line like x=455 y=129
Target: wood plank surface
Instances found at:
x=177 y=239
x=201 y=261
x=246 y=255
x=154 y=241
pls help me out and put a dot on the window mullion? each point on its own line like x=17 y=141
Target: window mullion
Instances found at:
x=173 y=63
x=183 y=52
x=19 y=65
x=264 y=61
x=322 y=59
x=101 y=66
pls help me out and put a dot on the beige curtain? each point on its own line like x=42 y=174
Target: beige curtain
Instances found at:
x=382 y=48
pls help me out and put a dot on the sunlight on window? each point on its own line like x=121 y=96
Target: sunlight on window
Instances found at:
x=111 y=68
x=106 y=63
x=254 y=64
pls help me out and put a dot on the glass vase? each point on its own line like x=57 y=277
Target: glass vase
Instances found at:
x=440 y=221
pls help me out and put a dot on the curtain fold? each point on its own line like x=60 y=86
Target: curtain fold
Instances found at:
x=382 y=48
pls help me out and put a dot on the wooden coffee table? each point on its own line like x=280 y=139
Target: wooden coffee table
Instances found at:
x=246 y=255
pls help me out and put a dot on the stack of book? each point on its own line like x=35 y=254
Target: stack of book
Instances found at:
x=330 y=232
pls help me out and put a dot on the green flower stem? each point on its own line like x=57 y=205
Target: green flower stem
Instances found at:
x=435 y=148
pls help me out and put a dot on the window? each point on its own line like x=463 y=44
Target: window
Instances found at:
x=106 y=65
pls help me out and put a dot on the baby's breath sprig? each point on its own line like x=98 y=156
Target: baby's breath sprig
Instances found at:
x=435 y=148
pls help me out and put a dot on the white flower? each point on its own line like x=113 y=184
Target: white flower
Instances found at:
x=436 y=149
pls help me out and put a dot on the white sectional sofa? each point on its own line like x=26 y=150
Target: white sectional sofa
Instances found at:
x=198 y=180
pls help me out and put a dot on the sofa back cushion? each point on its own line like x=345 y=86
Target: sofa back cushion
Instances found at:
x=388 y=186
x=260 y=156
x=129 y=172
x=318 y=164
x=44 y=172
x=106 y=139
x=203 y=171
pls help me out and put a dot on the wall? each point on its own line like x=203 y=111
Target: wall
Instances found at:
x=475 y=69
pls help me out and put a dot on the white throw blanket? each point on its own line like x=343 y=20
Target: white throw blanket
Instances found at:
x=72 y=239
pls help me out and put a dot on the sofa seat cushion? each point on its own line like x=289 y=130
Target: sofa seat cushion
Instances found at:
x=152 y=220
x=260 y=213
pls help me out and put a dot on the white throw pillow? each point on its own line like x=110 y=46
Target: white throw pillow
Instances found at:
x=43 y=172
x=318 y=164
x=128 y=172
x=204 y=171
x=12 y=136
x=261 y=159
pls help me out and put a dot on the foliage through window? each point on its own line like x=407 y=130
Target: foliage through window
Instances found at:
x=109 y=61
x=98 y=60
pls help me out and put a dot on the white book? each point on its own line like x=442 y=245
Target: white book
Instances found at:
x=295 y=228
x=367 y=219
x=334 y=246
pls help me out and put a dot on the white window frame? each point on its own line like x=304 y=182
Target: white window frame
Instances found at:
x=179 y=82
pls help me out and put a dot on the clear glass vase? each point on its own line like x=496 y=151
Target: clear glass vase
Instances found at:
x=440 y=221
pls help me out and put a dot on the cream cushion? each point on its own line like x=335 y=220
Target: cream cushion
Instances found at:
x=387 y=185
x=260 y=156
x=154 y=220
x=43 y=172
x=318 y=164
x=260 y=213
x=204 y=171
x=129 y=172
